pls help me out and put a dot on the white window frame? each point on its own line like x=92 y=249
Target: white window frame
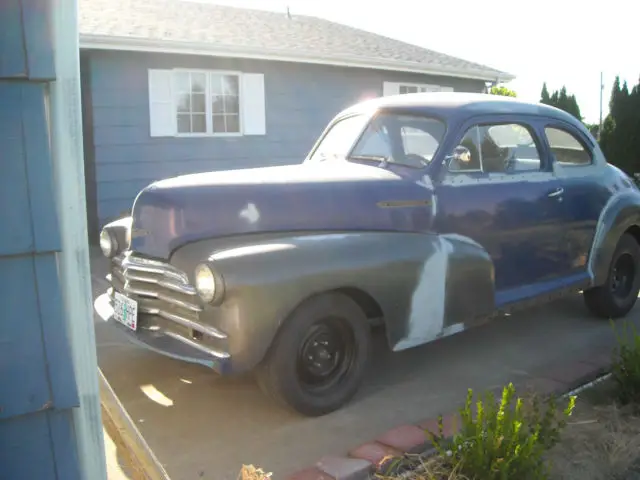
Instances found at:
x=422 y=87
x=208 y=112
x=393 y=88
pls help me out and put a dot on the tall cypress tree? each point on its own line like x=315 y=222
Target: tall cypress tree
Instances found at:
x=619 y=140
x=544 y=95
x=561 y=99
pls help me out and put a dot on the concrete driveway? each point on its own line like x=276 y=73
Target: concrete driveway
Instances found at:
x=204 y=426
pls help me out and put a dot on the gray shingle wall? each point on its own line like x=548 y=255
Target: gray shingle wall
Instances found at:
x=300 y=100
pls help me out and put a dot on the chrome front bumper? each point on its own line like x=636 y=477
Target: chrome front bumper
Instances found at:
x=169 y=308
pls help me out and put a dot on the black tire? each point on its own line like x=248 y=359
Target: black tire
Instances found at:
x=617 y=296
x=284 y=376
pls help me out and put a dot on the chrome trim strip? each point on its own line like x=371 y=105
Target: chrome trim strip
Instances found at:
x=202 y=348
x=186 y=289
x=185 y=322
x=180 y=288
x=152 y=266
x=160 y=296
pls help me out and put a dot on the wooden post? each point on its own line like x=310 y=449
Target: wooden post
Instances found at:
x=73 y=261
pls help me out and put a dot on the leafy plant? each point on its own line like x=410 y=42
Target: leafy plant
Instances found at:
x=502 y=90
x=503 y=440
x=625 y=369
x=249 y=472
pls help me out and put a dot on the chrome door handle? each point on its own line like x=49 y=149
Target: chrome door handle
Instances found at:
x=557 y=192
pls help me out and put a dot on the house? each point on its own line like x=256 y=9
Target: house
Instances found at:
x=172 y=87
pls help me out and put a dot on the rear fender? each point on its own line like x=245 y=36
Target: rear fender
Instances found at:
x=620 y=213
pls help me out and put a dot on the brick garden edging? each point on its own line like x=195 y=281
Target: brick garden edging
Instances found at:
x=361 y=462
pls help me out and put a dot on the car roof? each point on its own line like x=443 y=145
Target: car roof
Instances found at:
x=455 y=104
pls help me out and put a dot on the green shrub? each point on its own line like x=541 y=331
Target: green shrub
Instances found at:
x=625 y=369
x=503 y=440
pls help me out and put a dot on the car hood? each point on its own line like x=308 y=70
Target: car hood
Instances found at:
x=328 y=196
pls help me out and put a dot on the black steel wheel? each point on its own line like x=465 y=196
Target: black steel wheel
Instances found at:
x=326 y=355
x=622 y=276
x=318 y=359
x=617 y=296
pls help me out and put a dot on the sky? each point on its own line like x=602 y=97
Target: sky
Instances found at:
x=562 y=42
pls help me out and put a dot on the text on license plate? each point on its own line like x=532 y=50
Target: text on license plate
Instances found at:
x=125 y=310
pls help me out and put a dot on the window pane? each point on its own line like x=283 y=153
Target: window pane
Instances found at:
x=182 y=102
x=215 y=84
x=337 y=141
x=217 y=104
x=198 y=103
x=374 y=142
x=218 y=124
x=472 y=161
x=198 y=123
x=566 y=148
x=184 y=123
x=181 y=80
x=402 y=89
x=231 y=104
x=233 y=123
x=499 y=148
x=230 y=85
x=418 y=142
x=198 y=82
x=380 y=140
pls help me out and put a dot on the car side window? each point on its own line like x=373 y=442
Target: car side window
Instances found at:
x=471 y=161
x=496 y=148
x=566 y=148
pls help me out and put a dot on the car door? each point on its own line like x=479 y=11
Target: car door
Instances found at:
x=584 y=195
x=508 y=200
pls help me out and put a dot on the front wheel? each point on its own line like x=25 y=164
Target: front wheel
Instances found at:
x=619 y=293
x=318 y=359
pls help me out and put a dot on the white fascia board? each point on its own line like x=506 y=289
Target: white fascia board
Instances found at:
x=100 y=42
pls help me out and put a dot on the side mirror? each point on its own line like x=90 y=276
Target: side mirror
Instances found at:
x=460 y=156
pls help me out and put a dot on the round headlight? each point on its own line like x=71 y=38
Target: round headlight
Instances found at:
x=205 y=283
x=108 y=243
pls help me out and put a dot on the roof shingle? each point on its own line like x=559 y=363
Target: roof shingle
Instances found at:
x=178 y=21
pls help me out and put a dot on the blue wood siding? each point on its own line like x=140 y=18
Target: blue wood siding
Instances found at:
x=37 y=382
x=300 y=100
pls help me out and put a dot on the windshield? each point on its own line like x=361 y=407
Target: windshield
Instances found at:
x=339 y=139
x=408 y=140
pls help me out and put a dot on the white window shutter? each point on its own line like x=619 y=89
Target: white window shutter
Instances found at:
x=162 y=117
x=253 y=104
x=390 y=88
x=446 y=89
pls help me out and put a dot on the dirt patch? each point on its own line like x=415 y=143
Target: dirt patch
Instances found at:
x=600 y=442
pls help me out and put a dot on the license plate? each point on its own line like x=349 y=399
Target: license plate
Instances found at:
x=125 y=310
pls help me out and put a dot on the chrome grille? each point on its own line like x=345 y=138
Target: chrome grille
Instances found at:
x=160 y=289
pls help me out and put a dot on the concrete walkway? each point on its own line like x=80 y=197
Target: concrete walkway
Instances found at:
x=204 y=426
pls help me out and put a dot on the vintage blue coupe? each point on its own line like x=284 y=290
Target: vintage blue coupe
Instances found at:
x=424 y=213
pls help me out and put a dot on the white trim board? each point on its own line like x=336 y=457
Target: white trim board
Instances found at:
x=104 y=42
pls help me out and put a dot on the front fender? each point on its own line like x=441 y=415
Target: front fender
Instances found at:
x=424 y=284
x=621 y=212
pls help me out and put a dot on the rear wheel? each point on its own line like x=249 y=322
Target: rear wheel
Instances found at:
x=617 y=296
x=318 y=359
